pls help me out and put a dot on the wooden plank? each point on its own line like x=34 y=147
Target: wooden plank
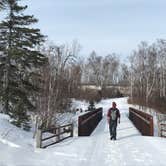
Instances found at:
x=44 y=139
x=55 y=128
x=66 y=125
x=55 y=135
x=145 y=120
x=63 y=132
x=163 y=130
x=56 y=142
x=163 y=136
x=89 y=118
x=143 y=114
x=162 y=124
x=69 y=131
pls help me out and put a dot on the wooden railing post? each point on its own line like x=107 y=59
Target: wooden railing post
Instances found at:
x=38 y=138
x=159 y=129
x=58 y=133
x=72 y=128
x=151 y=126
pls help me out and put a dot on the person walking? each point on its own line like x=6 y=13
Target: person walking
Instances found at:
x=113 y=116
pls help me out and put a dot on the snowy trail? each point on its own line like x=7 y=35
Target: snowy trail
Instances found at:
x=104 y=151
x=130 y=149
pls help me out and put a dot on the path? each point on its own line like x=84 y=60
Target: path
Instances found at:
x=130 y=148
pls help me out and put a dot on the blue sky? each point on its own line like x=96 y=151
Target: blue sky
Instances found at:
x=102 y=25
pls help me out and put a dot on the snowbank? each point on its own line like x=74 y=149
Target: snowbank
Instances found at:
x=130 y=149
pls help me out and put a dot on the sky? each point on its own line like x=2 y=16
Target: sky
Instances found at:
x=105 y=26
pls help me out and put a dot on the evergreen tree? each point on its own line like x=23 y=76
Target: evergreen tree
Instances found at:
x=19 y=61
x=1 y=4
x=91 y=106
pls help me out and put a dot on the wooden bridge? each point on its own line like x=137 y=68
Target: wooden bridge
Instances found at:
x=90 y=120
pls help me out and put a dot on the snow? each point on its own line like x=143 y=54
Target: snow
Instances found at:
x=76 y=104
x=130 y=149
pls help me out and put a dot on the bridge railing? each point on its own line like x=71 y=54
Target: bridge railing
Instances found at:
x=53 y=135
x=163 y=130
x=88 y=122
x=142 y=121
x=161 y=120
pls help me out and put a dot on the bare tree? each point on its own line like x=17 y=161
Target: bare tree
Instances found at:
x=124 y=75
x=103 y=70
x=95 y=66
x=56 y=82
x=148 y=73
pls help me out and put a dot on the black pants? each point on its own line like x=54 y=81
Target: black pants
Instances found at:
x=112 y=127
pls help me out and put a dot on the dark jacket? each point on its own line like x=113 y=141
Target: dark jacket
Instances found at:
x=117 y=113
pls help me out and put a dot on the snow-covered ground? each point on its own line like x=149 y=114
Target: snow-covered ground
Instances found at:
x=131 y=149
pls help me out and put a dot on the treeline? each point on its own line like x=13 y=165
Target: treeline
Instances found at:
x=60 y=78
x=40 y=79
x=20 y=62
x=148 y=75
x=35 y=77
x=103 y=72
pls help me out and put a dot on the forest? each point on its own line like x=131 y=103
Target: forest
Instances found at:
x=41 y=78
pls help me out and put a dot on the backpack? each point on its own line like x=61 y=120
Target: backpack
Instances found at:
x=113 y=114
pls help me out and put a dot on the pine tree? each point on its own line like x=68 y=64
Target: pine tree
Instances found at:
x=91 y=106
x=19 y=61
x=1 y=4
